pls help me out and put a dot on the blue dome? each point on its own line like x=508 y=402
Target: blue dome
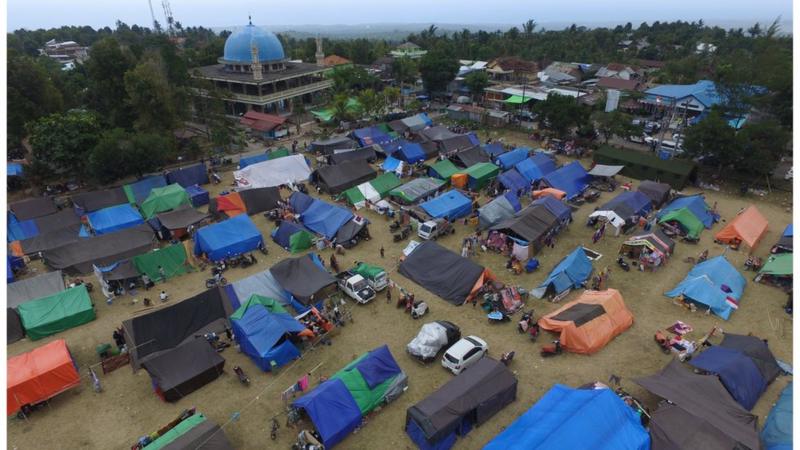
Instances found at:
x=237 y=46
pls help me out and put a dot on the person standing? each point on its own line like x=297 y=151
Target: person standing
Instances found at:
x=334 y=263
x=162 y=273
x=381 y=251
x=388 y=295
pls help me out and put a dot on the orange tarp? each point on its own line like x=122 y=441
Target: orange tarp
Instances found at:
x=39 y=375
x=555 y=193
x=232 y=204
x=486 y=277
x=748 y=227
x=594 y=334
x=459 y=180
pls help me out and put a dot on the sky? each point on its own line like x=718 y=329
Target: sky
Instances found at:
x=34 y=14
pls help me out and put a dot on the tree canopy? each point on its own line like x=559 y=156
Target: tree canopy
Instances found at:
x=437 y=70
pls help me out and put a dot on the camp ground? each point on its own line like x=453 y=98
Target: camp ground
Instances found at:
x=688 y=215
x=714 y=284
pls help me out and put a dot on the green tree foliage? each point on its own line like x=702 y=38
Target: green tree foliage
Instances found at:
x=404 y=70
x=437 y=70
x=371 y=102
x=151 y=97
x=31 y=94
x=562 y=113
x=614 y=123
x=392 y=95
x=340 y=107
x=477 y=81
x=62 y=142
x=348 y=79
x=106 y=69
x=713 y=139
x=119 y=154
x=763 y=144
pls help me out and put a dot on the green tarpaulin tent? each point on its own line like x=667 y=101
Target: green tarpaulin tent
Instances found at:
x=385 y=183
x=302 y=240
x=271 y=304
x=176 y=432
x=327 y=114
x=482 y=174
x=443 y=169
x=55 y=313
x=518 y=99
x=367 y=399
x=353 y=195
x=164 y=199
x=688 y=221
x=778 y=265
x=279 y=153
x=172 y=259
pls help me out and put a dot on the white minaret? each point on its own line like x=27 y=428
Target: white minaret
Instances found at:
x=255 y=65
x=320 y=55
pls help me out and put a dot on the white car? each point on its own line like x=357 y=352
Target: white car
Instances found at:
x=464 y=353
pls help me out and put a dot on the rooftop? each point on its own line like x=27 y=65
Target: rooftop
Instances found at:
x=704 y=91
x=239 y=46
x=260 y=121
x=618 y=83
x=218 y=72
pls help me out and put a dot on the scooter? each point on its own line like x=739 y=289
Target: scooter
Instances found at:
x=216 y=281
x=507 y=357
x=551 y=350
x=525 y=322
x=243 y=378
x=420 y=309
x=625 y=266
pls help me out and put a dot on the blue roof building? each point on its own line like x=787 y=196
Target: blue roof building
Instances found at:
x=694 y=97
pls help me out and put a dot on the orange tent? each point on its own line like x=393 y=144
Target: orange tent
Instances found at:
x=748 y=227
x=231 y=204
x=40 y=374
x=555 y=193
x=590 y=322
x=459 y=180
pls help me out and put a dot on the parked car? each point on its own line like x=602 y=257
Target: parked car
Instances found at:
x=433 y=337
x=464 y=353
x=638 y=139
x=355 y=286
x=432 y=229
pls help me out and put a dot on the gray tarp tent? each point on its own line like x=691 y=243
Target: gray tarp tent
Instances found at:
x=367 y=154
x=57 y=221
x=154 y=333
x=328 y=146
x=184 y=369
x=78 y=257
x=658 y=193
x=179 y=218
x=600 y=170
x=456 y=143
x=43 y=285
x=51 y=240
x=441 y=271
x=125 y=270
x=416 y=190
x=260 y=199
x=437 y=133
x=475 y=395
x=205 y=436
x=92 y=201
x=496 y=211
x=702 y=414
x=755 y=349
x=530 y=224
x=33 y=207
x=470 y=157
x=339 y=178
x=303 y=278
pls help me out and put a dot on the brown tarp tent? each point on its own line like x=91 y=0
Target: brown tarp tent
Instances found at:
x=702 y=415
x=748 y=227
x=590 y=322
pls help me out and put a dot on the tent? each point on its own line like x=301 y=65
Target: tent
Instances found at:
x=695 y=204
x=192 y=433
x=499 y=209
x=548 y=192
x=437 y=133
x=512 y=158
x=184 y=369
x=300 y=202
x=530 y=225
x=784 y=244
x=575 y=418
x=371 y=135
x=571 y=272
x=230 y=204
x=195 y=174
x=325 y=219
x=469 y=157
x=468 y=400
x=701 y=414
x=645 y=165
x=478 y=176
x=292 y=237
x=686 y=220
x=33 y=207
x=757 y=350
x=197 y=195
x=328 y=146
x=738 y=373
x=493 y=150
x=39 y=375
x=455 y=143
x=748 y=227
x=588 y=323
x=450 y=205
x=87 y=202
x=623 y=208
x=777 y=266
x=275 y=172
x=410 y=152
x=654 y=241
x=55 y=313
x=258 y=200
x=657 y=192
x=777 y=432
x=305 y=279
x=46 y=284
x=264 y=336
x=259 y=301
x=335 y=179
x=416 y=122
x=159 y=330
x=48 y=241
x=714 y=283
x=56 y=221
x=384 y=183
x=20 y=230
x=349 y=233
x=165 y=199
x=446 y=274
x=114 y=218
x=556 y=207
x=331 y=395
x=262 y=283
x=181 y=218
x=139 y=191
x=416 y=190
x=366 y=154
x=79 y=256
x=605 y=171
x=571 y=178
x=442 y=170
x=245 y=161
x=357 y=195
x=391 y=164
x=227 y=238
x=173 y=259
x=514 y=181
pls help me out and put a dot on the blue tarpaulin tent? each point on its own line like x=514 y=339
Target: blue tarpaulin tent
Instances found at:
x=332 y=409
x=514 y=181
x=409 y=152
x=14 y=170
x=777 y=433
x=571 y=272
x=263 y=336
x=390 y=164
x=114 y=218
x=714 y=283
x=500 y=208
x=629 y=203
x=571 y=178
x=231 y=237
x=245 y=161
x=21 y=230
x=189 y=175
x=283 y=234
x=510 y=159
x=450 y=205
x=324 y=218
x=556 y=208
x=371 y=135
x=197 y=195
x=535 y=167
x=262 y=283
x=567 y=418
x=494 y=149
x=141 y=189
x=694 y=203
x=789 y=231
x=737 y=372
x=300 y=202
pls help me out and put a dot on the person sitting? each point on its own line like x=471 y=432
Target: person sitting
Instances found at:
x=163 y=296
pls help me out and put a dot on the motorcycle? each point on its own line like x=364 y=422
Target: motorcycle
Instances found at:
x=551 y=350
x=247 y=260
x=497 y=316
x=507 y=357
x=403 y=235
x=216 y=281
x=690 y=240
x=243 y=378
x=625 y=266
x=263 y=249
x=419 y=309
x=525 y=322
x=394 y=226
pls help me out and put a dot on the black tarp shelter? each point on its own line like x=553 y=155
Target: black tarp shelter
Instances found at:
x=530 y=224
x=180 y=218
x=658 y=193
x=184 y=369
x=328 y=146
x=57 y=221
x=92 y=201
x=303 y=278
x=78 y=257
x=260 y=199
x=362 y=154
x=51 y=240
x=442 y=272
x=32 y=208
x=470 y=157
x=340 y=177
x=205 y=436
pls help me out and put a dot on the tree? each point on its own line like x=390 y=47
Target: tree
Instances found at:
x=119 y=154
x=371 y=102
x=392 y=95
x=151 y=97
x=763 y=144
x=614 y=123
x=31 y=94
x=561 y=113
x=528 y=27
x=341 y=107
x=405 y=71
x=437 y=70
x=106 y=69
x=347 y=79
x=476 y=81
x=62 y=142
x=715 y=140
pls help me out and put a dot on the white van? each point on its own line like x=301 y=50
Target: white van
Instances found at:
x=671 y=146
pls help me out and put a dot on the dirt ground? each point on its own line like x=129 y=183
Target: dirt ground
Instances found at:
x=128 y=408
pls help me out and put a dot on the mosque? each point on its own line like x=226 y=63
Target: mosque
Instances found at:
x=257 y=75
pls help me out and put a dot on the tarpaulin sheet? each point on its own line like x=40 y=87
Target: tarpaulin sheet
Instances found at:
x=628 y=204
x=471 y=156
x=164 y=199
x=493 y=150
x=390 y=164
x=704 y=284
x=259 y=301
x=302 y=277
x=188 y=175
x=78 y=257
x=600 y=170
x=39 y=374
x=417 y=122
x=13 y=169
x=748 y=227
x=285 y=236
x=479 y=175
x=33 y=207
x=755 y=349
x=371 y=394
x=260 y=199
x=139 y=191
x=92 y=201
x=513 y=181
x=570 y=272
x=694 y=203
x=777 y=433
x=328 y=146
x=172 y=259
x=43 y=285
x=378 y=366
x=778 y=265
x=56 y=221
x=245 y=161
x=497 y=210
x=410 y=152
x=575 y=418
x=366 y=154
x=450 y=205
x=442 y=169
x=230 y=204
x=114 y=218
x=687 y=220
x=181 y=218
x=55 y=313
x=51 y=240
x=123 y=270
x=337 y=178
x=571 y=178
x=227 y=238
x=437 y=133
x=275 y=172
x=510 y=159
x=324 y=218
x=185 y=368
x=416 y=189
x=371 y=135
x=556 y=207
x=262 y=335
x=738 y=373
x=14 y=330
x=530 y=224
x=442 y=272
x=456 y=143
x=197 y=195
x=332 y=409
x=262 y=283
x=21 y=230
x=656 y=192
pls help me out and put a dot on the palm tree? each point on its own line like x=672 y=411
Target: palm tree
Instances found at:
x=340 y=109
x=528 y=27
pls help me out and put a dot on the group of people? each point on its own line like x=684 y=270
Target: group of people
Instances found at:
x=600 y=279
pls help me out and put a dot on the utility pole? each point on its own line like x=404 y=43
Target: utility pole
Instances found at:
x=156 y=26
x=168 y=15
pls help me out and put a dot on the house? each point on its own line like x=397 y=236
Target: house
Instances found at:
x=696 y=98
x=466 y=112
x=619 y=84
x=267 y=125
x=67 y=53
x=457 y=86
x=561 y=73
x=617 y=70
x=510 y=68
x=408 y=50
x=335 y=60
x=705 y=47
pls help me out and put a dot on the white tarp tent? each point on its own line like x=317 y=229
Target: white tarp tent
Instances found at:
x=601 y=170
x=292 y=168
x=612 y=218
